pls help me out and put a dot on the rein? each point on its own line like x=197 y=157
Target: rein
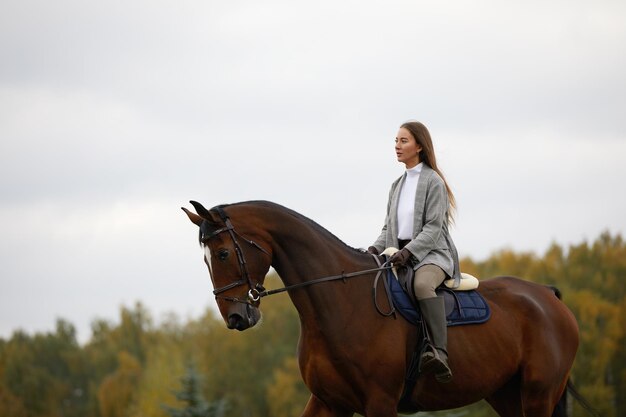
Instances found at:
x=256 y=292
x=342 y=276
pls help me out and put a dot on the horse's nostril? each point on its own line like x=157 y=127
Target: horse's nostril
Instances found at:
x=236 y=321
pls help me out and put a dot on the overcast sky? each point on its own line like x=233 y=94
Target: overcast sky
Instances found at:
x=115 y=114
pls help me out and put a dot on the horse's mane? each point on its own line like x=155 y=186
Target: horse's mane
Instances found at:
x=313 y=224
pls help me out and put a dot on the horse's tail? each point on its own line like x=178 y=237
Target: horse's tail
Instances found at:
x=561 y=408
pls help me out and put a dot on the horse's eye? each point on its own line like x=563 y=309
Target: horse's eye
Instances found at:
x=222 y=254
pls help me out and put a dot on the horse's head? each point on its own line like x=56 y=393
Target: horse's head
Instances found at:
x=237 y=264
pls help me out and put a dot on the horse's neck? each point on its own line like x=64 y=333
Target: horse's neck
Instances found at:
x=303 y=252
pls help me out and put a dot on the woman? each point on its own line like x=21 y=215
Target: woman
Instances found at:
x=419 y=210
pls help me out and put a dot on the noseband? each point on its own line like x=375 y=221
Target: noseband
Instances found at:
x=254 y=290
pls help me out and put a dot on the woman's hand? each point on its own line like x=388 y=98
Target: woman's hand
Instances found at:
x=401 y=258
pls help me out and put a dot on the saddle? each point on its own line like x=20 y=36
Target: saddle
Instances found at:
x=462 y=307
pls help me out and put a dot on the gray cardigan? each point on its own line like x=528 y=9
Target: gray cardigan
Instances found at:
x=431 y=243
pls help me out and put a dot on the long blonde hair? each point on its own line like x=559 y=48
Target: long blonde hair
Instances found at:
x=427 y=155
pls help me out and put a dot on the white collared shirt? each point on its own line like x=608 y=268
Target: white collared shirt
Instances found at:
x=406 y=202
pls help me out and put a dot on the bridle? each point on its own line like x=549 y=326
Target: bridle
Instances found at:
x=254 y=291
x=257 y=291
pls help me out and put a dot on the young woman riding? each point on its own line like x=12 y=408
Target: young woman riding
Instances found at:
x=419 y=211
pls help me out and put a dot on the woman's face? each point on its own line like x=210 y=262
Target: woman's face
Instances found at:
x=407 y=148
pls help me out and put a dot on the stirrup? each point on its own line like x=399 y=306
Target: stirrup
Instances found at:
x=434 y=363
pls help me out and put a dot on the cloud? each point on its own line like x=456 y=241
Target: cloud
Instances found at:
x=113 y=116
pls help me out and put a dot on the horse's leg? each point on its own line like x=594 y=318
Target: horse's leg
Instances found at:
x=539 y=398
x=316 y=408
x=507 y=401
x=541 y=390
x=542 y=383
x=381 y=407
x=538 y=404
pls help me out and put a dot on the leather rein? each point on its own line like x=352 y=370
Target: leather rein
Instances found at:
x=257 y=291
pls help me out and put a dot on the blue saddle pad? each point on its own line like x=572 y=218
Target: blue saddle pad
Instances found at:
x=462 y=307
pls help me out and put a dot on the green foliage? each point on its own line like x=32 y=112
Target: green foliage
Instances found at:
x=191 y=395
x=44 y=372
x=117 y=390
x=130 y=368
x=10 y=404
x=164 y=361
x=287 y=394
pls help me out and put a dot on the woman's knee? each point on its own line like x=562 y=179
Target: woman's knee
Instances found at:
x=427 y=279
x=423 y=291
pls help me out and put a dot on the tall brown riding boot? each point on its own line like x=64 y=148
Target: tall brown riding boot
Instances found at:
x=435 y=359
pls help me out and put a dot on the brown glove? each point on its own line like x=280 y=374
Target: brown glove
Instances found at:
x=372 y=250
x=401 y=258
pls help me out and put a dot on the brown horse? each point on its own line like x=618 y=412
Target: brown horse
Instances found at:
x=352 y=358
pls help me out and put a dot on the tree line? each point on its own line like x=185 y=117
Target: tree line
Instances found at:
x=134 y=368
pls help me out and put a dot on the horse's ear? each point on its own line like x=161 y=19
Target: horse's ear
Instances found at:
x=195 y=219
x=204 y=213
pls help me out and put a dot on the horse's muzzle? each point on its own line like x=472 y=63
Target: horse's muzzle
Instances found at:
x=239 y=321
